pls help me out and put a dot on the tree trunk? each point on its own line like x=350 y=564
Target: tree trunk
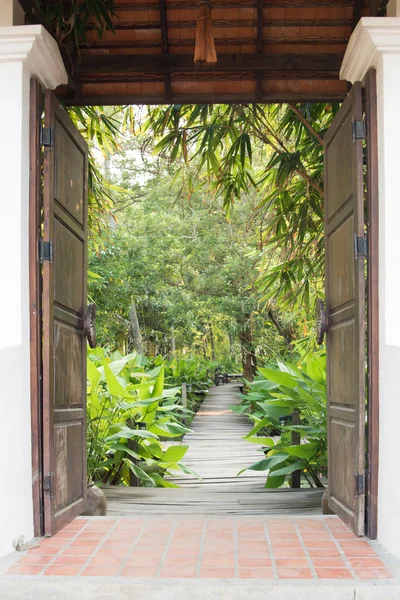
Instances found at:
x=231 y=345
x=173 y=341
x=135 y=336
x=248 y=356
x=212 y=342
x=286 y=332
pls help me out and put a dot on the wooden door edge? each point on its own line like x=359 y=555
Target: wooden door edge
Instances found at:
x=35 y=302
x=372 y=305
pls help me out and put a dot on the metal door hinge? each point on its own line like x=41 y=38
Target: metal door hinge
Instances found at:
x=359 y=130
x=360 y=246
x=45 y=251
x=46 y=136
x=360 y=484
x=48 y=484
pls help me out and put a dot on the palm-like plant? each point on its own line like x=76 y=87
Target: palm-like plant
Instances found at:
x=278 y=151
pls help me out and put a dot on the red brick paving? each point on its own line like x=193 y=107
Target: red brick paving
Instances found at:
x=242 y=548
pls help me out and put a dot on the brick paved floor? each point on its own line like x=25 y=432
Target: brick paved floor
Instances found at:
x=250 y=547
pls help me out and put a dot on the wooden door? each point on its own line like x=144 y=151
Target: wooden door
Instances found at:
x=64 y=255
x=345 y=300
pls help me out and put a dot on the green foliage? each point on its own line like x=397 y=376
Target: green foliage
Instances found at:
x=68 y=20
x=186 y=282
x=197 y=373
x=276 y=392
x=129 y=410
x=234 y=149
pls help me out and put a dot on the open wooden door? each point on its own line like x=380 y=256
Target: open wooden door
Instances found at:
x=345 y=248
x=64 y=257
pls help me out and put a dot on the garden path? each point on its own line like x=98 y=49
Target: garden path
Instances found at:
x=217 y=452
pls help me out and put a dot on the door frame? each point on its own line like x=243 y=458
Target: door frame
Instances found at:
x=35 y=304
x=372 y=306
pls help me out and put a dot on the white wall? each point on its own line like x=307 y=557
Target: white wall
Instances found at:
x=16 y=516
x=388 y=80
x=25 y=51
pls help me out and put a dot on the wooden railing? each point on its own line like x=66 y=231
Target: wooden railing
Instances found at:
x=226 y=377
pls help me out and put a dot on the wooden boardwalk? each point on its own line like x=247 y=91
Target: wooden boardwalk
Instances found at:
x=217 y=452
x=217 y=449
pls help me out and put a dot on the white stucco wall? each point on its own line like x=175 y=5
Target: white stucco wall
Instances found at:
x=388 y=81
x=376 y=43
x=24 y=51
x=15 y=440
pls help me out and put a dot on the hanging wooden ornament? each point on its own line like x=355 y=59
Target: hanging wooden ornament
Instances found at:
x=205 y=53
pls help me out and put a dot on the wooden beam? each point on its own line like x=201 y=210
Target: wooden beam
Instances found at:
x=357 y=12
x=164 y=41
x=259 y=44
x=229 y=23
x=192 y=4
x=232 y=63
x=249 y=98
x=164 y=25
x=238 y=41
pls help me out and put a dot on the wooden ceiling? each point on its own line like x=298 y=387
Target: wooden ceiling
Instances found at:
x=268 y=51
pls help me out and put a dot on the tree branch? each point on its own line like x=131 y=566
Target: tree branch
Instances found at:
x=306 y=123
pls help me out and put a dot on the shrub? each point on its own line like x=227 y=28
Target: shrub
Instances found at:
x=276 y=392
x=129 y=409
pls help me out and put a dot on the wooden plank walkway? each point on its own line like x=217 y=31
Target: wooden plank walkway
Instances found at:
x=217 y=452
x=217 y=449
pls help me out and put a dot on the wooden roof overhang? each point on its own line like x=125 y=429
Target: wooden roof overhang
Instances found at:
x=268 y=51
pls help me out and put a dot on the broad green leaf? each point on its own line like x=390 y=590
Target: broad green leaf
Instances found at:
x=168 y=429
x=297 y=466
x=128 y=434
x=174 y=453
x=185 y=469
x=265 y=422
x=114 y=385
x=267 y=463
x=303 y=450
x=140 y=474
x=159 y=384
x=93 y=374
x=274 y=482
x=261 y=441
x=161 y=482
x=284 y=379
x=155 y=449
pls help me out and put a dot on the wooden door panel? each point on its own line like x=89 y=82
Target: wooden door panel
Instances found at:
x=69 y=175
x=69 y=251
x=339 y=166
x=342 y=475
x=64 y=306
x=68 y=482
x=69 y=350
x=341 y=273
x=345 y=299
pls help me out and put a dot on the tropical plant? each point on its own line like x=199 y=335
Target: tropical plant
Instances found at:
x=129 y=410
x=275 y=149
x=68 y=20
x=277 y=391
x=193 y=371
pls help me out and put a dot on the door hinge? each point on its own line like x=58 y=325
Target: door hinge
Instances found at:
x=46 y=136
x=360 y=484
x=48 y=484
x=360 y=246
x=359 y=130
x=45 y=251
